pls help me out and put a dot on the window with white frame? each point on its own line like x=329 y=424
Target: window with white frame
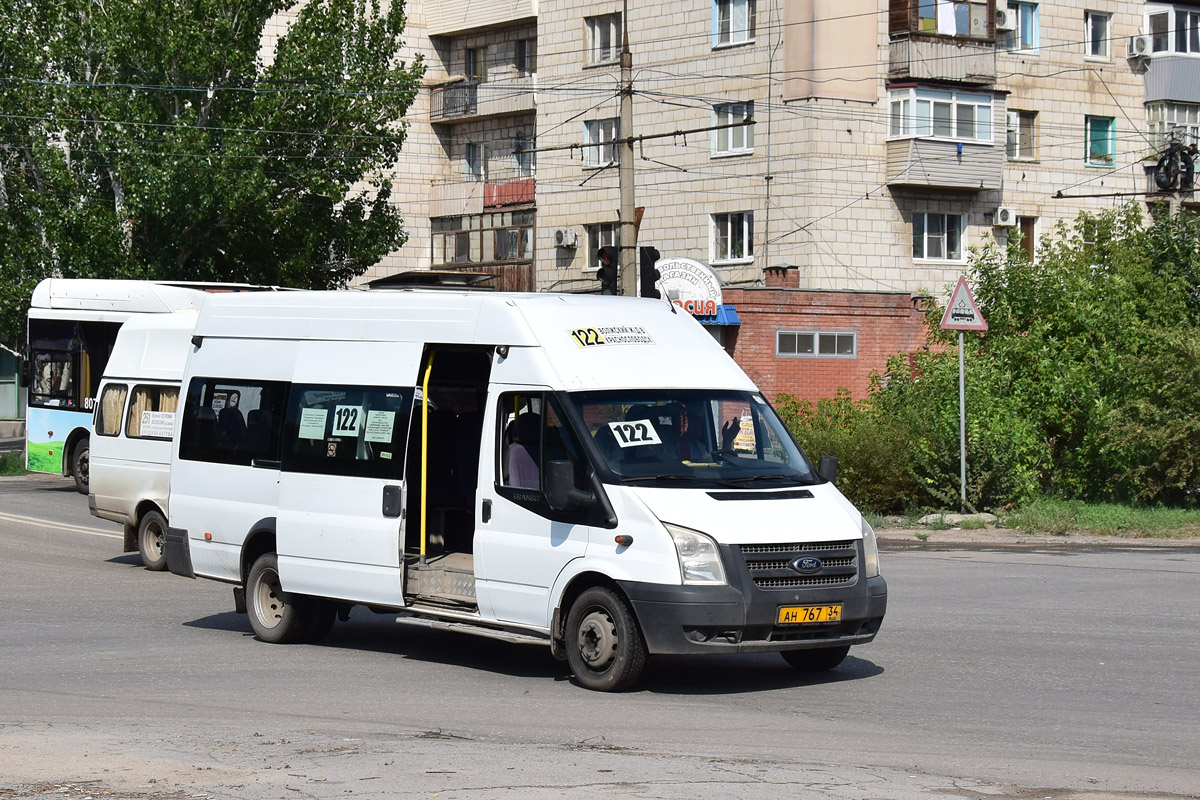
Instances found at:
x=602 y=234
x=604 y=38
x=1170 y=122
x=474 y=162
x=1020 y=135
x=600 y=136
x=1095 y=34
x=733 y=21
x=1100 y=134
x=1026 y=35
x=938 y=237
x=1173 y=29
x=940 y=113
x=733 y=236
x=731 y=141
x=816 y=344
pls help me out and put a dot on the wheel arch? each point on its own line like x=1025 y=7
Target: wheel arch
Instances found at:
x=76 y=436
x=143 y=508
x=575 y=586
x=260 y=540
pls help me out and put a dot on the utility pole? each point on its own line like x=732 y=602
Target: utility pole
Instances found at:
x=626 y=232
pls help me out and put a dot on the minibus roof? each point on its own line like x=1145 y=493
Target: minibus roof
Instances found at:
x=591 y=342
x=152 y=347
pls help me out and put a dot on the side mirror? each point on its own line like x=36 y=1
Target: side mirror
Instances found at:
x=561 y=494
x=828 y=468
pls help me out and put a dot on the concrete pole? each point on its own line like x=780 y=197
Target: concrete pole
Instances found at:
x=626 y=243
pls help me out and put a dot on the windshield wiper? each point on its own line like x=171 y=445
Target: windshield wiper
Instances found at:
x=640 y=478
x=772 y=477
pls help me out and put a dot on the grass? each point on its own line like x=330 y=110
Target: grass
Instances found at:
x=1061 y=517
x=12 y=463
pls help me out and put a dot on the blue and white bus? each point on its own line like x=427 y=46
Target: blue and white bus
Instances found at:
x=73 y=324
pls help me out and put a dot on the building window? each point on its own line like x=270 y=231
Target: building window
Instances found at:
x=475 y=64
x=604 y=38
x=1020 y=136
x=1101 y=136
x=733 y=236
x=733 y=21
x=600 y=135
x=937 y=237
x=733 y=141
x=1182 y=37
x=1095 y=34
x=523 y=157
x=816 y=344
x=940 y=113
x=473 y=162
x=483 y=238
x=1025 y=35
x=525 y=56
x=1173 y=122
x=600 y=235
x=1028 y=228
x=953 y=18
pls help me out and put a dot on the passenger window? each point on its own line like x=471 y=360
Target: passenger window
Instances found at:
x=232 y=421
x=358 y=431
x=152 y=412
x=108 y=413
x=533 y=432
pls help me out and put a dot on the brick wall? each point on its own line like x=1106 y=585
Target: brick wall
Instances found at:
x=884 y=323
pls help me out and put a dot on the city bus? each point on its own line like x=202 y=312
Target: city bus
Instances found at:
x=73 y=324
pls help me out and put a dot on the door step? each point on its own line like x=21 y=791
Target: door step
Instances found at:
x=446 y=577
x=516 y=637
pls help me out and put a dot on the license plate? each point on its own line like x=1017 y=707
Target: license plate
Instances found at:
x=800 y=615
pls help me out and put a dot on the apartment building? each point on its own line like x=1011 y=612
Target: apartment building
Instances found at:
x=799 y=157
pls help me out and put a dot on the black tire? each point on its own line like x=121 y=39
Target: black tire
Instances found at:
x=276 y=616
x=81 y=465
x=603 y=642
x=151 y=538
x=820 y=660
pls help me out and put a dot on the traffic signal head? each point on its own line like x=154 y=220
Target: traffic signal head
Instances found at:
x=607 y=273
x=649 y=274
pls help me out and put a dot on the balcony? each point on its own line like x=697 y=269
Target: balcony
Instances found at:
x=931 y=57
x=464 y=101
x=940 y=164
x=1174 y=78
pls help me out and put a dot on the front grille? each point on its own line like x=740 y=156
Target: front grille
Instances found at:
x=770 y=564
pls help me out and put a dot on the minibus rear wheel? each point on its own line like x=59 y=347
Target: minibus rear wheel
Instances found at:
x=152 y=532
x=819 y=660
x=276 y=616
x=80 y=466
x=603 y=642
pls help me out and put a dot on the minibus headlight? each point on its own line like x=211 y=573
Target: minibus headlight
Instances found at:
x=699 y=556
x=870 y=550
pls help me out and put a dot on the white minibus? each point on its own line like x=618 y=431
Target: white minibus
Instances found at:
x=590 y=473
x=134 y=427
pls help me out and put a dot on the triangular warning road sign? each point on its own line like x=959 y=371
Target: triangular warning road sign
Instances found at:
x=962 y=312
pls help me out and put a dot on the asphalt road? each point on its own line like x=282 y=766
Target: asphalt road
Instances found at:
x=999 y=673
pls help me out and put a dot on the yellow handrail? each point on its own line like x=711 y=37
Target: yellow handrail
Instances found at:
x=425 y=446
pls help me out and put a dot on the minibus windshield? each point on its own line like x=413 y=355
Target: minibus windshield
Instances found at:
x=674 y=436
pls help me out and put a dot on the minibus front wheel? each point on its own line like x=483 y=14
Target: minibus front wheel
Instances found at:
x=603 y=641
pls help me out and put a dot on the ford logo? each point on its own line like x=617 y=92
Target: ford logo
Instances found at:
x=807 y=565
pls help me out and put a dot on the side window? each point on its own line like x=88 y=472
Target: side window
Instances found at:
x=232 y=421
x=358 y=431
x=152 y=412
x=108 y=413
x=533 y=432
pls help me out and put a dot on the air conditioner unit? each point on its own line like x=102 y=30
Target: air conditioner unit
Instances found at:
x=565 y=237
x=1005 y=217
x=1139 y=46
x=1006 y=19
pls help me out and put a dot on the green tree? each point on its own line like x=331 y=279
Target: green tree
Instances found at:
x=148 y=139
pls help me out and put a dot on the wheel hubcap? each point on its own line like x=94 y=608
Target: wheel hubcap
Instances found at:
x=154 y=541
x=597 y=640
x=267 y=599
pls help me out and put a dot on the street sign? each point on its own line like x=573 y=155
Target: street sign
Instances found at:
x=962 y=312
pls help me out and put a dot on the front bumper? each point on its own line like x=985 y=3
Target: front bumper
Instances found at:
x=740 y=617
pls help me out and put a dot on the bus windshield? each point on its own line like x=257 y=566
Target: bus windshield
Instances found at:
x=668 y=436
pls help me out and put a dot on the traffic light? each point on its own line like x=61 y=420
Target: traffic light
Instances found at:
x=608 y=270
x=649 y=275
